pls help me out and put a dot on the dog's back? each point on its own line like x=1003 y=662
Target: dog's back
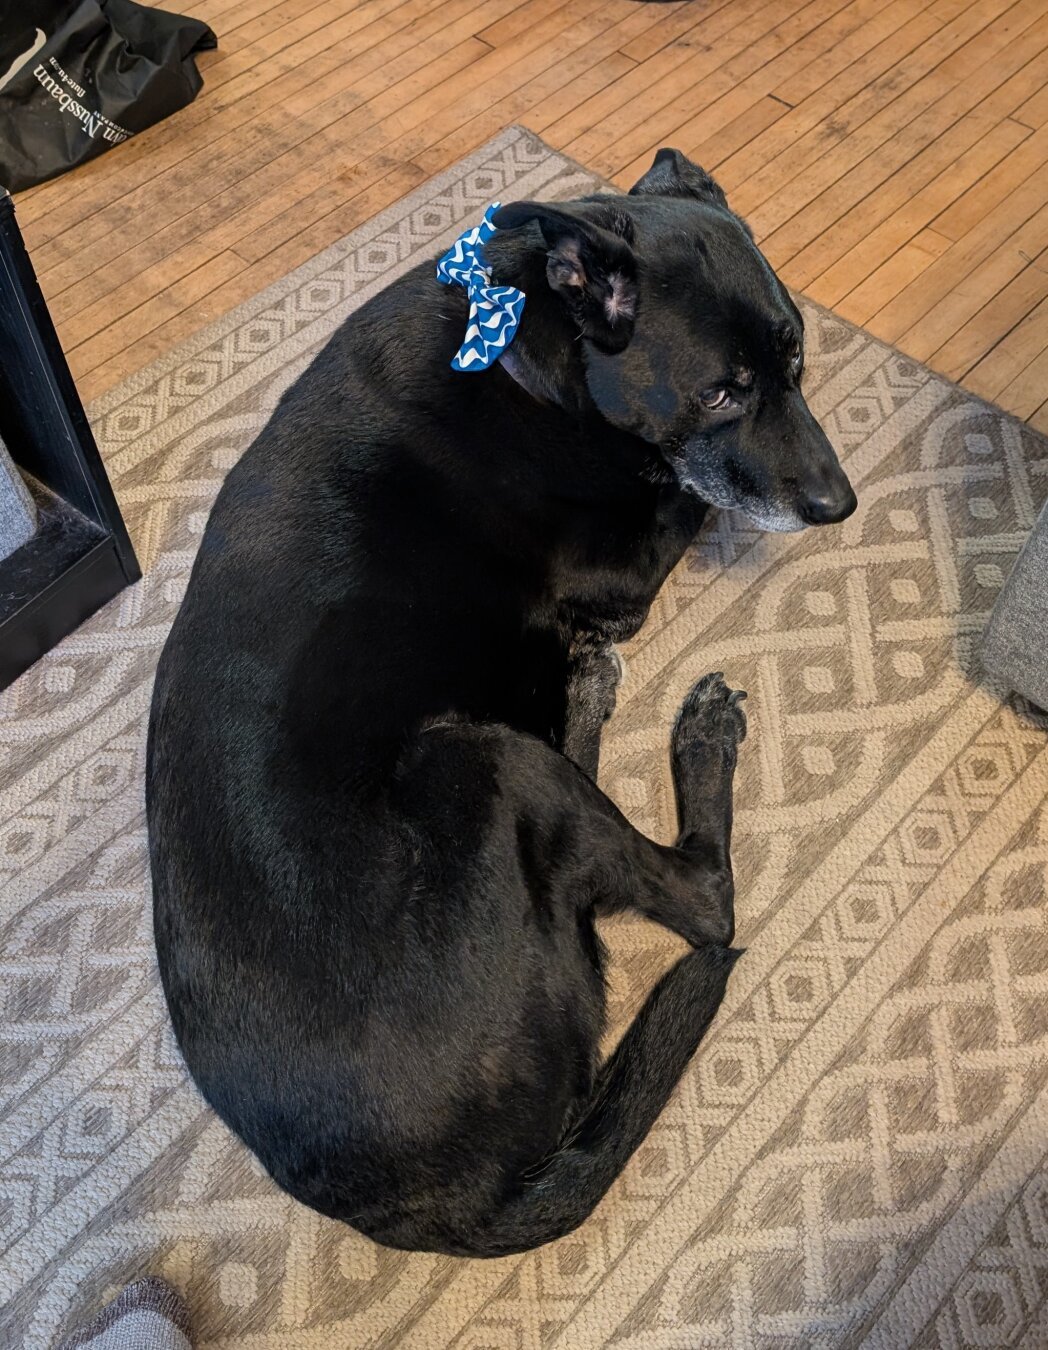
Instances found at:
x=352 y=588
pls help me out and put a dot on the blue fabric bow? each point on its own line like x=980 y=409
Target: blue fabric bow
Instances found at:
x=494 y=311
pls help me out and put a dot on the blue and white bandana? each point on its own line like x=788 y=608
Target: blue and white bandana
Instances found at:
x=494 y=311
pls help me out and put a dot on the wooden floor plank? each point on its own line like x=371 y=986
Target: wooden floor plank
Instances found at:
x=828 y=269
x=186 y=319
x=232 y=229
x=970 y=117
x=671 y=72
x=676 y=25
x=112 y=195
x=1023 y=214
x=754 y=52
x=371 y=129
x=877 y=116
x=1024 y=395
x=569 y=81
x=891 y=156
x=828 y=114
x=894 y=275
x=994 y=320
x=883 y=21
x=1034 y=112
x=817 y=38
x=1010 y=356
x=285 y=140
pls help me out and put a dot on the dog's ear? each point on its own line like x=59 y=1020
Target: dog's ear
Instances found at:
x=674 y=175
x=592 y=269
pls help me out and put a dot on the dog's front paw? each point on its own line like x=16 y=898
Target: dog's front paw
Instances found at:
x=711 y=718
x=706 y=736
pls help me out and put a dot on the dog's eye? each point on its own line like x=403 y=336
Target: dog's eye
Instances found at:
x=717 y=400
x=796 y=355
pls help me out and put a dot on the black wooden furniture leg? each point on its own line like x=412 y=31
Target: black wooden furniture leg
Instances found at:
x=81 y=555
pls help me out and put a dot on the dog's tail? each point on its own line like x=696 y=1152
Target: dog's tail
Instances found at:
x=632 y=1089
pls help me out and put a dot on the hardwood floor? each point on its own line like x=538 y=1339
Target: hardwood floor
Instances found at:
x=890 y=155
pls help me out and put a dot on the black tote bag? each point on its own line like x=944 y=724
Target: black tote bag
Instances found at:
x=79 y=77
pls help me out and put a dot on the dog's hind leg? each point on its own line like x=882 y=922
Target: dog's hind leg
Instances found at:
x=545 y=850
x=580 y=847
x=631 y=1090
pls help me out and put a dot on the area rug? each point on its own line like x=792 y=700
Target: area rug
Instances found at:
x=859 y=1153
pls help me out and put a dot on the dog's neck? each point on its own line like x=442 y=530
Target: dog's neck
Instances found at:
x=546 y=362
x=517 y=364
x=545 y=357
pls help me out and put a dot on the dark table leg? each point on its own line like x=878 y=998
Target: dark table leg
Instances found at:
x=81 y=556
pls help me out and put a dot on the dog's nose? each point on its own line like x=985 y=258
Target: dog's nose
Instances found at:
x=830 y=506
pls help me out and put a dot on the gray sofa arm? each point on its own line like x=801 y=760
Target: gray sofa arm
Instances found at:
x=1015 y=645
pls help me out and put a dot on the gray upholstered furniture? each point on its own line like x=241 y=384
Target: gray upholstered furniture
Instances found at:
x=1015 y=647
x=17 y=508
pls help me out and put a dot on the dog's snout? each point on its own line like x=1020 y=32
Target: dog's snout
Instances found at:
x=830 y=505
x=824 y=495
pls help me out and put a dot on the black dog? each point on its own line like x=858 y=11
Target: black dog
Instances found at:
x=378 y=848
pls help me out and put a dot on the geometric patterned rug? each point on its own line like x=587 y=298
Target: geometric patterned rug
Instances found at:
x=859 y=1153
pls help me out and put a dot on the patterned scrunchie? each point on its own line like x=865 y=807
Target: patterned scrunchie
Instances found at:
x=494 y=311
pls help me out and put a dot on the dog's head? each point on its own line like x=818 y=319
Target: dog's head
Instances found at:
x=690 y=341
